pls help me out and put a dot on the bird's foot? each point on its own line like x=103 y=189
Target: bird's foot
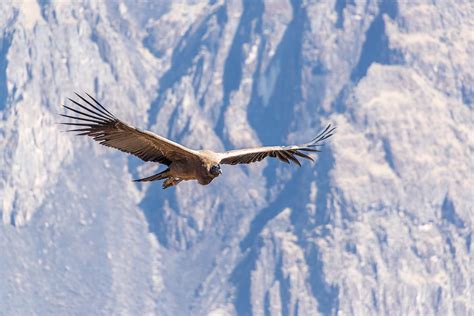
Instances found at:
x=171 y=182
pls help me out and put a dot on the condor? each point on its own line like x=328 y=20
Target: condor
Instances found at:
x=94 y=120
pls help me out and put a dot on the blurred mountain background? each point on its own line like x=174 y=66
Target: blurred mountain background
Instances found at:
x=380 y=224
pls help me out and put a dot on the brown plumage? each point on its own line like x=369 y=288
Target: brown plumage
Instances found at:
x=183 y=163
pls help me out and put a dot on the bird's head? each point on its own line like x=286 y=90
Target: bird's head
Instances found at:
x=215 y=170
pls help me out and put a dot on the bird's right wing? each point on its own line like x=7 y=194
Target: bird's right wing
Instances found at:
x=284 y=153
x=96 y=121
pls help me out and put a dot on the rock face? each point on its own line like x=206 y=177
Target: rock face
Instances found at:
x=382 y=223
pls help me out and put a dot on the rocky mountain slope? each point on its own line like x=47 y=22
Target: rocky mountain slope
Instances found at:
x=381 y=223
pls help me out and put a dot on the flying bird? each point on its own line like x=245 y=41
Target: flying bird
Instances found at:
x=94 y=120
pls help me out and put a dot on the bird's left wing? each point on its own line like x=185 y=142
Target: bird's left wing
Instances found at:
x=284 y=153
x=93 y=120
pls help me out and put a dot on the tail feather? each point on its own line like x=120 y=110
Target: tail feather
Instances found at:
x=159 y=176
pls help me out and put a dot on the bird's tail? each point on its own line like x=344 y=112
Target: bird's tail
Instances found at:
x=159 y=176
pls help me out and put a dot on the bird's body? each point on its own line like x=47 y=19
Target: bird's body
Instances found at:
x=194 y=167
x=183 y=163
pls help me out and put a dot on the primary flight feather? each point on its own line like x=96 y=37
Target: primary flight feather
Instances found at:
x=94 y=120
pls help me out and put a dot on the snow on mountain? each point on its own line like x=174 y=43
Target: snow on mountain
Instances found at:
x=381 y=223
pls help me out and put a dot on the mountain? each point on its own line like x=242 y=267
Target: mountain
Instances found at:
x=380 y=224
